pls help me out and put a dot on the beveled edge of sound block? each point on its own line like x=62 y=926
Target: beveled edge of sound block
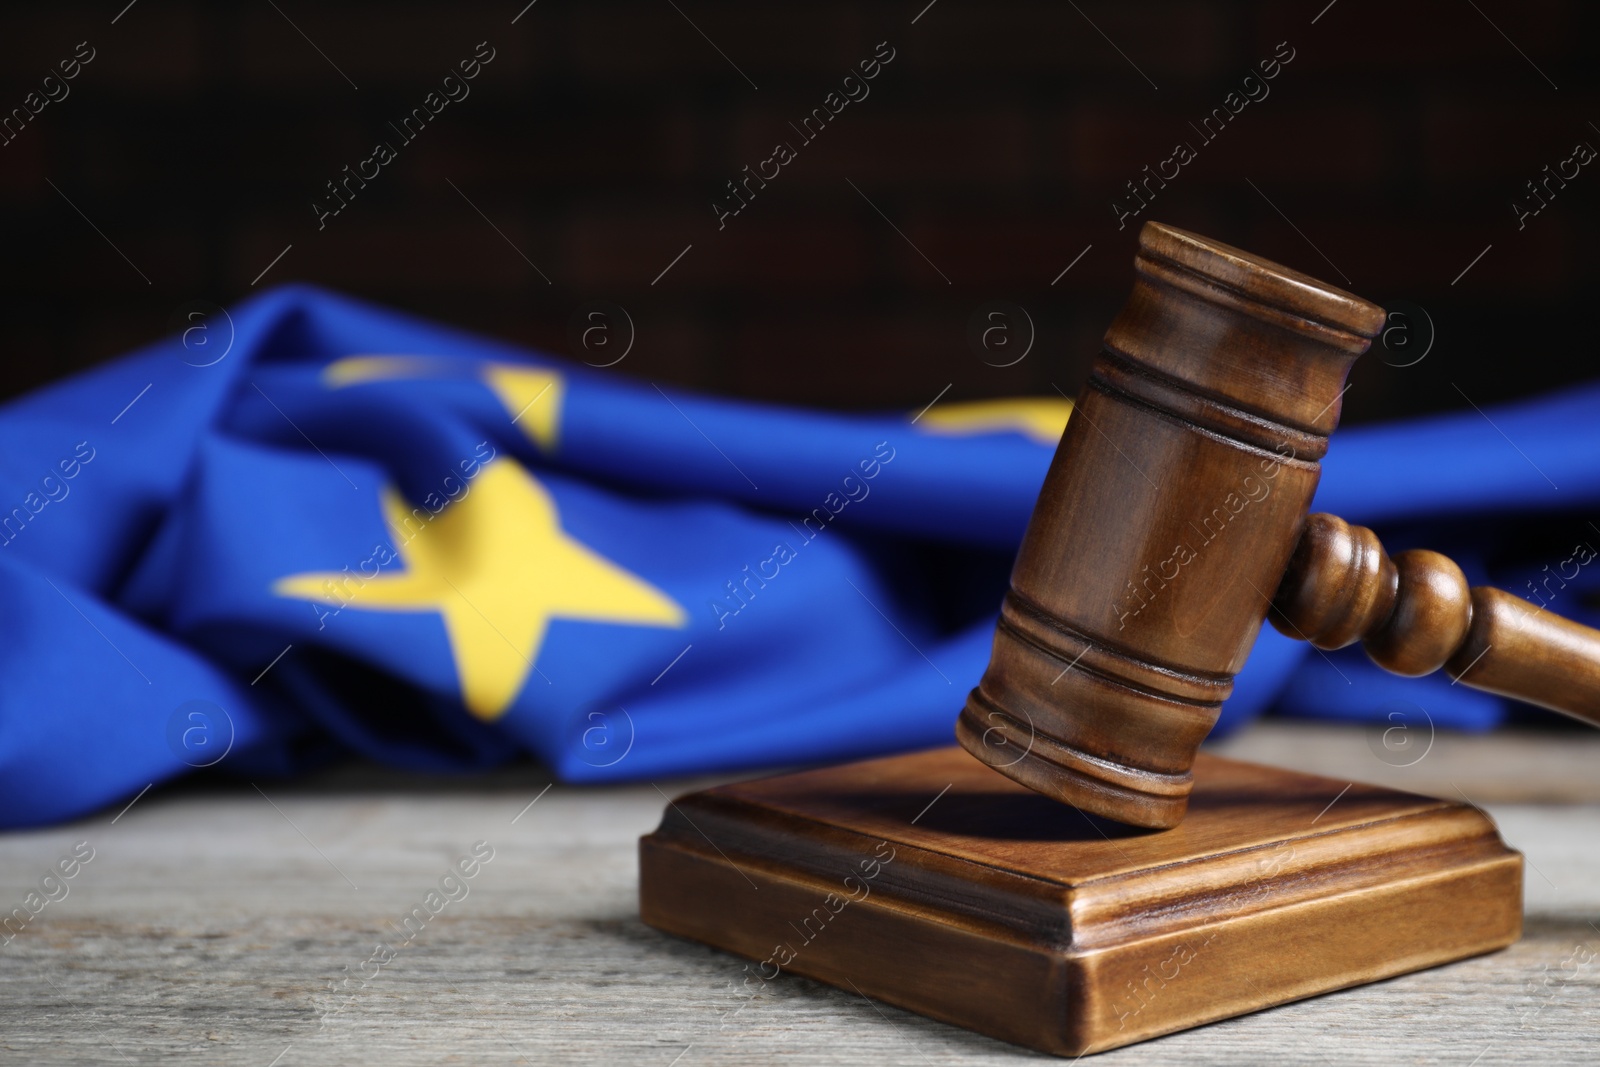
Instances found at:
x=937 y=884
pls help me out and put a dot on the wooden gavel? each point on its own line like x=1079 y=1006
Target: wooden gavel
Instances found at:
x=1173 y=519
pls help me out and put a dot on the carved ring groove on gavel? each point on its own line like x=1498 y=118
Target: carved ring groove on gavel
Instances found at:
x=1174 y=519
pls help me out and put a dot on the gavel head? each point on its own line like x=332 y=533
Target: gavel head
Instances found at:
x=1167 y=519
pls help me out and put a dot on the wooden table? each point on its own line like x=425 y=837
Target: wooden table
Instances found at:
x=212 y=923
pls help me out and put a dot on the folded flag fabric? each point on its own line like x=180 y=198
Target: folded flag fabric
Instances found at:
x=352 y=530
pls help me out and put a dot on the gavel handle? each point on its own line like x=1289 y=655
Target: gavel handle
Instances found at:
x=1414 y=614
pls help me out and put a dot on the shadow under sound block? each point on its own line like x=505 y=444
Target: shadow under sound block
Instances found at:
x=935 y=883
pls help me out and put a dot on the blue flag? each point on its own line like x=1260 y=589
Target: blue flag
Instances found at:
x=316 y=526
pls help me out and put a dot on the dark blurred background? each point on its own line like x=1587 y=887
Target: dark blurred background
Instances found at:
x=188 y=152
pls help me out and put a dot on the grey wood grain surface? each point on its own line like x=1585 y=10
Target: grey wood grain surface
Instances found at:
x=212 y=925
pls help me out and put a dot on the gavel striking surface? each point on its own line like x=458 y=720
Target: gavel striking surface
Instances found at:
x=937 y=884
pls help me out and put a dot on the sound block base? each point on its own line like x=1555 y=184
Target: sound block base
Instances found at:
x=934 y=883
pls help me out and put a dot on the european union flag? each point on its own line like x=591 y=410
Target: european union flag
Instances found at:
x=342 y=529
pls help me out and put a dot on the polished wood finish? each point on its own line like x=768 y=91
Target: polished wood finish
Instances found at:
x=1415 y=614
x=1164 y=525
x=937 y=884
x=1173 y=515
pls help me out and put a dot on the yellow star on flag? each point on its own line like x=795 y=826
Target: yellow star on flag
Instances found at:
x=497 y=566
x=532 y=396
x=1040 y=418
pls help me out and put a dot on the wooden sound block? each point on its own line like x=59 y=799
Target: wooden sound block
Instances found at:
x=935 y=883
